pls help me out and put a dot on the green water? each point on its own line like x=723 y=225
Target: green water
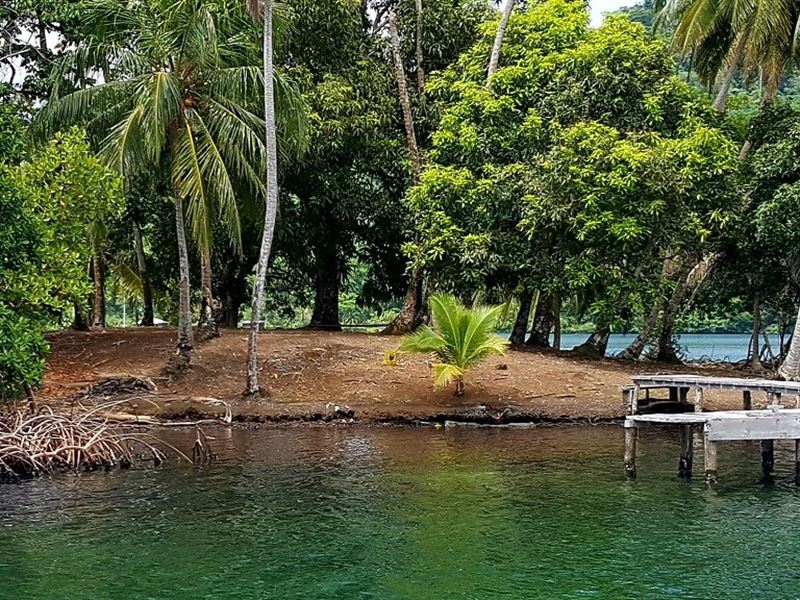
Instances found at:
x=407 y=513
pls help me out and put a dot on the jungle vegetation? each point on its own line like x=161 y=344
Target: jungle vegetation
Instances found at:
x=321 y=163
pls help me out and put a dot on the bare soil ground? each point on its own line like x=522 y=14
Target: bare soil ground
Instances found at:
x=304 y=371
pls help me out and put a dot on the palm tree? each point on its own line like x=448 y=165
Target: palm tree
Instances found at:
x=494 y=59
x=272 y=190
x=179 y=92
x=465 y=337
x=726 y=36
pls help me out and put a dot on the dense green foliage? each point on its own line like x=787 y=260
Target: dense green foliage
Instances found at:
x=589 y=178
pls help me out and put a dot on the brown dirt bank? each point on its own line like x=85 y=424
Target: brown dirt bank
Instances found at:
x=304 y=371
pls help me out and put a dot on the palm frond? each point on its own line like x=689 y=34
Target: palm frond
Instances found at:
x=423 y=341
x=444 y=374
x=479 y=336
x=188 y=180
x=123 y=149
x=160 y=100
x=218 y=182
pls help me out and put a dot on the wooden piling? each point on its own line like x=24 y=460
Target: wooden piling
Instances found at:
x=698 y=399
x=710 y=455
x=747 y=400
x=687 y=451
x=797 y=462
x=631 y=434
x=767 y=456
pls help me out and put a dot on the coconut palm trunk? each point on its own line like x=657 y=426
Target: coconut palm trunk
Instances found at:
x=271 y=210
x=730 y=68
x=207 y=324
x=790 y=369
x=141 y=267
x=185 y=334
x=494 y=59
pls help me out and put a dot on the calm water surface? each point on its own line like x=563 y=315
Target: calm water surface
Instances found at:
x=693 y=346
x=407 y=513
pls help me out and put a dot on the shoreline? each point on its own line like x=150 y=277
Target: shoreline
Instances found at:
x=314 y=376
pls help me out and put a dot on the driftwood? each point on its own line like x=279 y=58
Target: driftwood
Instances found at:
x=120 y=385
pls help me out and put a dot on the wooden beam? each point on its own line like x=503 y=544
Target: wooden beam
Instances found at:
x=685 y=461
x=698 y=399
x=710 y=455
x=767 y=456
x=631 y=433
x=797 y=462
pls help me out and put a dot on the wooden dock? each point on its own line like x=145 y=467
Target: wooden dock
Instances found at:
x=775 y=422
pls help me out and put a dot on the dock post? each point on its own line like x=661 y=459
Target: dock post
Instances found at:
x=767 y=456
x=747 y=400
x=710 y=454
x=797 y=462
x=698 y=399
x=685 y=462
x=631 y=434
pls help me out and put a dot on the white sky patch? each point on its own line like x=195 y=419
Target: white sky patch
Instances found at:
x=598 y=9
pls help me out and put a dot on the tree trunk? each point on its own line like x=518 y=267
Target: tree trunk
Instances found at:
x=520 y=329
x=99 y=296
x=459 y=387
x=637 y=346
x=185 y=333
x=272 y=201
x=767 y=97
x=666 y=347
x=230 y=312
x=557 y=323
x=728 y=75
x=790 y=369
x=405 y=102
x=755 y=356
x=326 y=300
x=414 y=311
x=418 y=51
x=79 y=321
x=207 y=326
x=596 y=345
x=141 y=266
x=494 y=59
x=206 y=294
x=543 y=320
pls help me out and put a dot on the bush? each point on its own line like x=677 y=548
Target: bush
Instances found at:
x=22 y=353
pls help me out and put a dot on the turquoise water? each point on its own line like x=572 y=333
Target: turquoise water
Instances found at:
x=715 y=346
x=397 y=513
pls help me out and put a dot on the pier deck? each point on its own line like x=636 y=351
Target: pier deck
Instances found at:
x=767 y=425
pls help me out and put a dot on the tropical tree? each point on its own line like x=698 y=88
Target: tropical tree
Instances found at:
x=461 y=339
x=180 y=91
x=48 y=205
